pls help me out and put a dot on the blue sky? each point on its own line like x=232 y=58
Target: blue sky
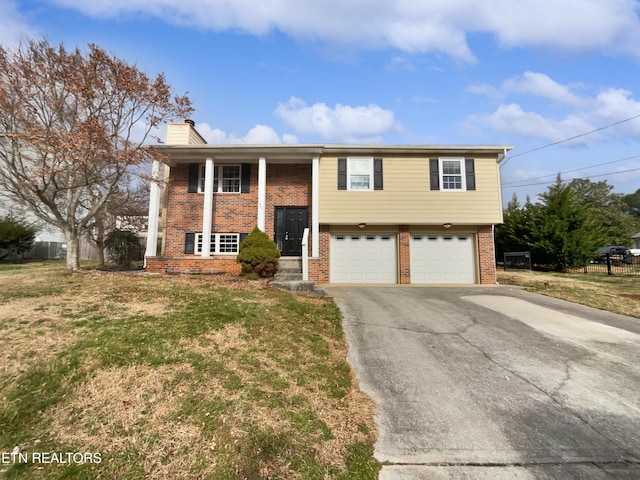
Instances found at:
x=527 y=73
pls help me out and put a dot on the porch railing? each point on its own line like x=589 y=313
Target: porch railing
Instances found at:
x=305 y=254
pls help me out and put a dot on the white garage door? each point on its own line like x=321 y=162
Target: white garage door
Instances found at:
x=363 y=258
x=442 y=259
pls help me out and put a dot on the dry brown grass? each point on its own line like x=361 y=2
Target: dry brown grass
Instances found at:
x=37 y=328
x=236 y=400
x=124 y=408
x=614 y=294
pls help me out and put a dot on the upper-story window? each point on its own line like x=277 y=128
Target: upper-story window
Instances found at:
x=360 y=174
x=226 y=179
x=452 y=174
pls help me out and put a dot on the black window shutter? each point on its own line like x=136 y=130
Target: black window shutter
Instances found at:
x=434 y=174
x=342 y=174
x=470 y=172
x=377 y=174
x=194 y=169
x=189 y=242
x=245 y=178
x=242 y=237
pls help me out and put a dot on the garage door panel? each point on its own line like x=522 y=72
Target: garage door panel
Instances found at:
x=442 y=259
x=363 y=258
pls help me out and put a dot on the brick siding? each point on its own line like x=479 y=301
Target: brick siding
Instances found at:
x=486 y=255
x=287 y=185
x=319 y=267
x=404 y=254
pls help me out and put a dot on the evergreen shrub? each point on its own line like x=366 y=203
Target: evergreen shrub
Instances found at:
x=258 y=254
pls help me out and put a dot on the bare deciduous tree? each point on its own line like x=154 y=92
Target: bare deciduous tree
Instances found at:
x=72 y=126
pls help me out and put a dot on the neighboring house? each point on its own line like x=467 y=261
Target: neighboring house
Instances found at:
x=636 y=239
x=366 y=213
x=137 y=224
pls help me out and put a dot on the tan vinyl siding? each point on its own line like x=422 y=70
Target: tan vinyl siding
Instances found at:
x=407 y=198
x=177 y=134
x=195 y=138
x=183 y=134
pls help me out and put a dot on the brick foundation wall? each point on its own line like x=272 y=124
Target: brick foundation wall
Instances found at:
x=486 y=255
x=192 y=264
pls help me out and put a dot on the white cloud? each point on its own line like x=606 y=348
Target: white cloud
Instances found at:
x=513 y=119
x=260 y=134
x=579 y=114
x=491 y=92
x=413 y=26
x=543 y=86
x=13 y=25
x=342 y=123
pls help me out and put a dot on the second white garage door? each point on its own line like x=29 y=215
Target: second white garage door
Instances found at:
x=363 y=258
x=442 y=259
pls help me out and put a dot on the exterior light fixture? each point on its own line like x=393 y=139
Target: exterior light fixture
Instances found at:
x=362 y=225
x=447 y=225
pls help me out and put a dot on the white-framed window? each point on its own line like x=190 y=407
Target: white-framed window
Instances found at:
x=452 y=174
x=220 y=243
x=360 y=173
x=226 y=179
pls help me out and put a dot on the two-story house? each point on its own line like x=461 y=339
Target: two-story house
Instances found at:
x=354 y=213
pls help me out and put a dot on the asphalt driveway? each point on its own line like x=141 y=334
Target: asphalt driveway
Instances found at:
x=495 y=383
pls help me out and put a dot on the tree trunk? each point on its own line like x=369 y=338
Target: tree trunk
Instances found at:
x=100 y=241
x=73 y=250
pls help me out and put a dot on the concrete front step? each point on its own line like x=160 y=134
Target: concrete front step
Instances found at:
x=290 y=264
x=297 y=286
x=287 y=276
x=289 y=269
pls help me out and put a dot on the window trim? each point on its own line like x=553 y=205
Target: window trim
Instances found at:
x=371 y=174
x=463 y=174
x=219 y=178
x=215 y=243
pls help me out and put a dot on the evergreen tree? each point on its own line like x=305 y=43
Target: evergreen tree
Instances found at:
x=15 y=236
x=606 y=208
x=514 y=233
x=567 y=226
x=566 y=229
x=632 y=204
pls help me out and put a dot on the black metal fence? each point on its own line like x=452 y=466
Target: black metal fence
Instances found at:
x=517 y=261
x=611 y=264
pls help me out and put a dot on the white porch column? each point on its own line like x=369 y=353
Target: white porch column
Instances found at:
x=154 y=212
x=207 y=213
x=262 y=192
x=315 y=201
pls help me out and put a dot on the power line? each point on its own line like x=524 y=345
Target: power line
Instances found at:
x=580 y=178
x=504 y=162
x=569 y=171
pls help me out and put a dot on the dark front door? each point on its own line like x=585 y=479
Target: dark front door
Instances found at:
x=290 y=223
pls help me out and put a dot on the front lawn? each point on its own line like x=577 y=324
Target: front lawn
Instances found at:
x=611 y=293
x=161 y=377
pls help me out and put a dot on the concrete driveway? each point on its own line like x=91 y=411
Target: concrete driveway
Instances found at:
x=495 y=383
